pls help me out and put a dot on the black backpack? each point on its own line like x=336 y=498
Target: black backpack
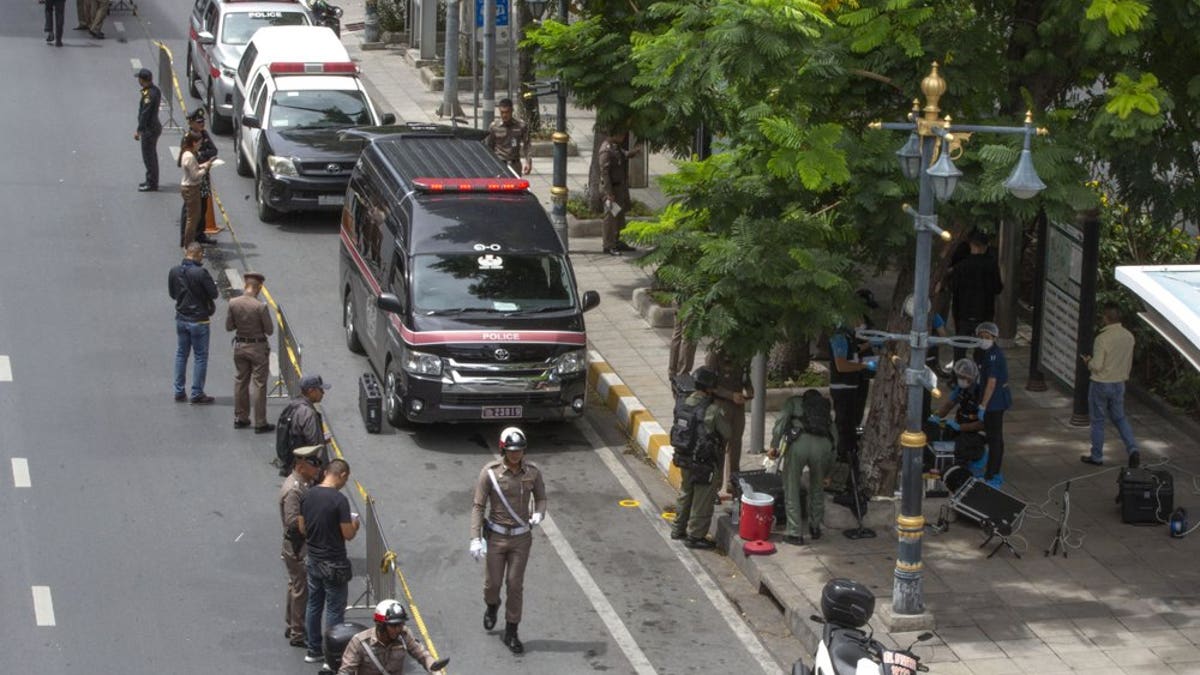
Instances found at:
x=283 y=434
x=816 y=415
x=693 y=443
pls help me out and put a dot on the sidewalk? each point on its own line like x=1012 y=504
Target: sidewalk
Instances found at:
x=1126 y=600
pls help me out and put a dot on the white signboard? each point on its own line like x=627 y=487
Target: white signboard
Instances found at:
x=1060 y=301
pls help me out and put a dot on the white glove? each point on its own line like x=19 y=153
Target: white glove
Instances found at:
x=478 y=549
x=535 y=519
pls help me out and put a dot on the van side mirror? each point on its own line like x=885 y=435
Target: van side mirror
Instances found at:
x=251 y=121
x=388 y=119
x=388 y=302
x=205 y=38
x=591 y=299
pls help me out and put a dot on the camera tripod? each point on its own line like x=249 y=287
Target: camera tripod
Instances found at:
x=1060 y=535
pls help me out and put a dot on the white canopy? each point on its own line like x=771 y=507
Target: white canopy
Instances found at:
x=1172 y=297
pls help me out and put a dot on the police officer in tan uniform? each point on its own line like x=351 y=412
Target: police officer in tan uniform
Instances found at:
x=731 y=393
x=505 y=536
x=382 y=650
x=251 y=319
x=614 y=186
x=305 y=472
x=508 y=138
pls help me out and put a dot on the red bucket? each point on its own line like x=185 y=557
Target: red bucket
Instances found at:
x=758 y=514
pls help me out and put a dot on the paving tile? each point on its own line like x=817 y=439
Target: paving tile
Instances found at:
x=1178 y=654
x=1092 y=660
x=1135 y=656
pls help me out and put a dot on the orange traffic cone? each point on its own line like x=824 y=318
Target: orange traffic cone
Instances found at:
x=210 y=218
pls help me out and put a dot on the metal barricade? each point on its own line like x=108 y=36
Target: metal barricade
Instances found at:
x=381 y=561
x=287 y=357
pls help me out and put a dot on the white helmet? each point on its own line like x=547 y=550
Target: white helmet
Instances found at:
x=512 y=438
x=390 y=612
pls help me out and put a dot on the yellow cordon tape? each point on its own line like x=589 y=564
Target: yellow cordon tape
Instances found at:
x=390 y=556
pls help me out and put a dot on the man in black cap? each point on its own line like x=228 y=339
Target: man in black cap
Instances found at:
x=206 y=150
x=300 y=423
x=148 y=128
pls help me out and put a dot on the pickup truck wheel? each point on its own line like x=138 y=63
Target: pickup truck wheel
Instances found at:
x=352 y=341
x=218 y=123
x=392 y=405
x=191 y=77
x=242 y=166
x=265 y=212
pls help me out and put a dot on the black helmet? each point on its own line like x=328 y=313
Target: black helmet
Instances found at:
x=847 y=603
x=336 y=639
x=512 y=438
x=390 y=612
x=705 y=378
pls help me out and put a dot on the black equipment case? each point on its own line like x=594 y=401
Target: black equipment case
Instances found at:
x=370 y=402
x=1145 y=496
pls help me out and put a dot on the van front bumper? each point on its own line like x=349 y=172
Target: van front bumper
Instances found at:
x=432 y=401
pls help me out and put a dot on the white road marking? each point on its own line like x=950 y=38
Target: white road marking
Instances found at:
x=5 y=369
x=119 y=26
x=239 y=537
x=721 y=603
x=20 y=467
x=600 y=603
x=43 y=606
x=136 y=63
x=235 y=278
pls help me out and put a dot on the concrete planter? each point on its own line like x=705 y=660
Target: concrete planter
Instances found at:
x=655 y=314
x=777 y=395
x=545 y=148
x=435 y=82
x=586 y=227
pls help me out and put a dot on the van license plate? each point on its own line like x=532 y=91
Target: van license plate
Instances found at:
x=502 y=412
x=331 y=200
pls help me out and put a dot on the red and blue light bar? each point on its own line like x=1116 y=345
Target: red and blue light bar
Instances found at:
x=471 y=184
x=299 y=68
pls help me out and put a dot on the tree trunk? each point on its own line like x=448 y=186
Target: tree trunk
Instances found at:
x=526 y=72
x=595 y=200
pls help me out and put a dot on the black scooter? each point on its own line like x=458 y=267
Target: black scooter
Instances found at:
x=327 y=15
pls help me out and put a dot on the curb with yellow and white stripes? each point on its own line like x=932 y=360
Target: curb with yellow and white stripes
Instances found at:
x=644 y=431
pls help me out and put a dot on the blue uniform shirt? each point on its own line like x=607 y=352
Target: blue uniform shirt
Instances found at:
x=993 y=364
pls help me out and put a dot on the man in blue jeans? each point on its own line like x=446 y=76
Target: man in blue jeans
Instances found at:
x=327 y=524
x=195 y=296
x=1109 y=364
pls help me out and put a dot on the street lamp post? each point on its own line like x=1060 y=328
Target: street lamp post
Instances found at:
x=558 y=187
x=926 y=156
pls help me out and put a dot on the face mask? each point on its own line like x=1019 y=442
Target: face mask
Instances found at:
x=963 y=383
x=986 y=344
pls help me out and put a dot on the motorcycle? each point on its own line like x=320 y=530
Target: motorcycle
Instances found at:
x=327 y=15
x=845 y=649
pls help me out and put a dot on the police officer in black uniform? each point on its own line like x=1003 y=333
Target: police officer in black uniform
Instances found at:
x=205 y=150
x=148 y=128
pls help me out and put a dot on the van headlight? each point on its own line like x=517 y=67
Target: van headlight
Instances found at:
x=420 y=363
x=281 y=166
x=571 y=362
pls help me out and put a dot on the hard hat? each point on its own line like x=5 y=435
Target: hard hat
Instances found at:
x=705 y=378
x=390 y=612
x=966 y=368
x=512 y=438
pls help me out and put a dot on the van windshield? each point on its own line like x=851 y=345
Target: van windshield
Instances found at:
x=491 y=282
x=240 y=26
x=318 y=109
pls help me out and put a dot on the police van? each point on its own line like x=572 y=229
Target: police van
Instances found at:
x=456 y=286
x=296 y=92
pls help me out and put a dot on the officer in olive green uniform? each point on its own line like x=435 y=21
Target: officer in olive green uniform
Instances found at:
x=508 y=137
x=505 y=536
x=305 y=472
x=614 y=186
x=732 y=391
x=251 y=319
x=803 y=448
x=698 y=486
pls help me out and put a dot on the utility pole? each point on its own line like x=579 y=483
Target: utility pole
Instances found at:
x=450 y=107
x=489 y=62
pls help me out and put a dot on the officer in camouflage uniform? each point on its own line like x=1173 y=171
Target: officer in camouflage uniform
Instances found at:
x=804 y=447
x=508 y=138
x=698 y=484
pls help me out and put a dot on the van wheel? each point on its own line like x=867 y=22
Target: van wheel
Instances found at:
x=352 y=341
x=191 y=77
x=217 y=123
x=242 y=166
x=392 y=407
x=265 y=212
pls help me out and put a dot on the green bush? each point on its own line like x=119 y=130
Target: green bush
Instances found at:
x=577 y=206
x=393 y=15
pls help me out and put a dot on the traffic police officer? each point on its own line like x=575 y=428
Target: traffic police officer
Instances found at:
x=382 y=650
x=251 y=319
x=731 y=392
x=149 y=129
x=614 y=186
x=698 y=485
x=508 y=138
x=306 y=470
x=507 y=485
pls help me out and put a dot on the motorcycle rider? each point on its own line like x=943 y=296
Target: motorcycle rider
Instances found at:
x=382 y=650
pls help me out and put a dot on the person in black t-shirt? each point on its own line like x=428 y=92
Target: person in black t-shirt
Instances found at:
x=974 y=283
x=327 y=524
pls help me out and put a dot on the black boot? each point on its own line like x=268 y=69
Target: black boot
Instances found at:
x=489 y=617
x=511 y=639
